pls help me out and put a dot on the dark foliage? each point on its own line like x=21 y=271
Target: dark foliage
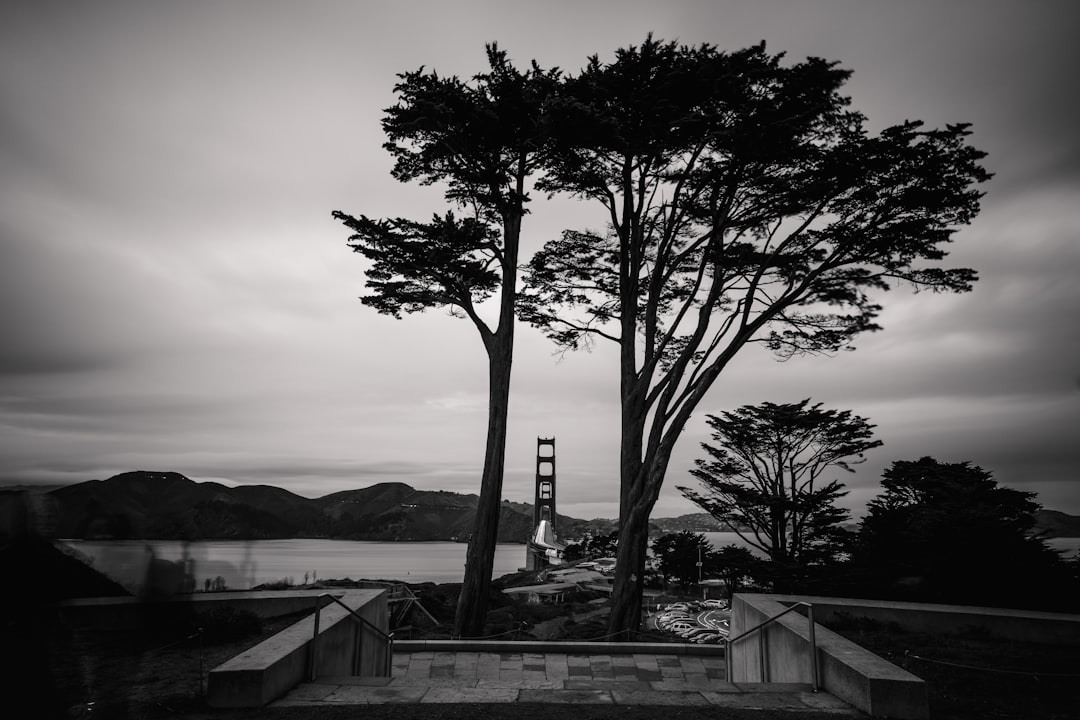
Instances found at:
x=947 y=532
x=747 y=204
x=764 y=477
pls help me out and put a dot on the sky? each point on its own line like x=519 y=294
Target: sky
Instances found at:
x=174 y=294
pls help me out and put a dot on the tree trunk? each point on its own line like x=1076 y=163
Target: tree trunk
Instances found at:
x=480 y=557
x=471 y=613
x=625 y=616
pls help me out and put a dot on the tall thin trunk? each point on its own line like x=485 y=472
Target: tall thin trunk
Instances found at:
x=472 y=603
x=480 y=557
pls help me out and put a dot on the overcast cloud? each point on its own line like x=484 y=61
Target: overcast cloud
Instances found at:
x=174 y=294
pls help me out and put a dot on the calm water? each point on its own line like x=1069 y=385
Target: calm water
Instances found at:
x=243 y=564
x=246 y=563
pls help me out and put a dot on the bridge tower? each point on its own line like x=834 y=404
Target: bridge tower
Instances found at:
x=542 y=539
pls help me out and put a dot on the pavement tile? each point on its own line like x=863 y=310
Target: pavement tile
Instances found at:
x=692 y=664
x=511 y=675
x=577 y=660
x=626 y=685
x=775 y=687
x=286 y=702
x=755 y=700
x=683 y=685
x=471 y=695
x=822 y=701
x=354 y=680
x=523 y=685
x=311 y=691
x=568 y=697
x=442 y=671
x=375 y=695
x=579 y=671
x=528 y=675
x=653 y=697
x=432 y=682
x=649 y=675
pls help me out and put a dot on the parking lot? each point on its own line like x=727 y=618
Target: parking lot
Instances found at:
x=699 y=621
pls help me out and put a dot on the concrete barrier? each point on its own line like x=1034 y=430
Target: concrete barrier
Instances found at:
x=935 y=619
x=559 y=646
x=780 y=652
x=126 y=613
x=275 y=666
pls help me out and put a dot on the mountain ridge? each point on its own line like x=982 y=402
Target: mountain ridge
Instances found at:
x=169 y=506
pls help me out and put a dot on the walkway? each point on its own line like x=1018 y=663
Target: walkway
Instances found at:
x=510 y=677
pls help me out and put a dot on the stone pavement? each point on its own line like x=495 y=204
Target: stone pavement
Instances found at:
x=509 y=677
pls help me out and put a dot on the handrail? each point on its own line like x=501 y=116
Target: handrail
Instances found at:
x=729 y=641
x=388 y=638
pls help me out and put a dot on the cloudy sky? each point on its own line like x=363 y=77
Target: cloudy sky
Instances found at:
x=174 y=294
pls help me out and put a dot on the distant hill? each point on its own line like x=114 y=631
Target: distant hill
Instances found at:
x=170 y=506
x=1057 y=524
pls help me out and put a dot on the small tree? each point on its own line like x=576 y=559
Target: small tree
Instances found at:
x=765 y=480
x=733 y=565
x=947 y=532
x=483 y=140
x=747 y=204
x=678 y=554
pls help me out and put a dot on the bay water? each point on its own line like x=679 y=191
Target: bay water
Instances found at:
x=243 y=564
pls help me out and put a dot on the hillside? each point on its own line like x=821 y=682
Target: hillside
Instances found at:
x=1057 y=524
x=170 y=506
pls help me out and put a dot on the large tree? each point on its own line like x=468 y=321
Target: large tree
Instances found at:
x=947 y=532
x=765 y=478
x=746 y=204
x=482 y=139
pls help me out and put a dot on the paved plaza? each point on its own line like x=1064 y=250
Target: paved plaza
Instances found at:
x=509 y=677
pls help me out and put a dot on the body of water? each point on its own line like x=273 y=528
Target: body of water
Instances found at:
x=242 y=564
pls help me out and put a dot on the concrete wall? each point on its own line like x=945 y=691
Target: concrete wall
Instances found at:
x=278 y=664
x=781 y=653
x=126 y=613
x=1019 y=625
x=559 y=646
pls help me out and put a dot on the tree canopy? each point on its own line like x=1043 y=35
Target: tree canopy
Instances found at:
x=765 y=477
x=947 y=532
x=684 y=557
x=746 y=204
x=482 y=139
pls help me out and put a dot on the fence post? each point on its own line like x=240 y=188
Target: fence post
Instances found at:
x=313 y=655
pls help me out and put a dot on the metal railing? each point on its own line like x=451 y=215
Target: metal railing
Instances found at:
x=387 y=638
x=761 y=644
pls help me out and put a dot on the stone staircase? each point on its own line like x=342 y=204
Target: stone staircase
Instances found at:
x=563 y=677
